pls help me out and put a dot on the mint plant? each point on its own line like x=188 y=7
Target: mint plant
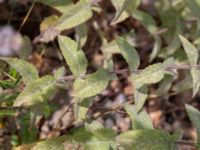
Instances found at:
x=92 y=135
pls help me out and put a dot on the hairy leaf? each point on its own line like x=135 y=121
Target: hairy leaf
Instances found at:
x=36 y=92
x=147 y=140
x=196 y=80
x=146 y=20
x=100 y=139
x=76 y=15
x=94 y=84
x=140 y=120
x=28 y=72
x=129 y=53
x=140 y=96
x=194 y=115
x=81 y=34
x=152 y=74
x=74 y=56
x=190 y=50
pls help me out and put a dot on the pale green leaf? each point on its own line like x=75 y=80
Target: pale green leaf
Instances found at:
x=94 y=84
x=152 y=74
x=28 y=72
x=196 y=80
x=140 y=120
x=156 y=47
x=74 y=56
x=93 y=126
x=194 y=116
x=47 y=22
x=81 y=34
x=146 y=20
x=60 y=5
x=76 y=15
x=147 y=140
x=100 y=139
x=140 y=96
x=36 y=92
x=123 y=9
x=60 y=72
x=129 y=53
x=190 y=50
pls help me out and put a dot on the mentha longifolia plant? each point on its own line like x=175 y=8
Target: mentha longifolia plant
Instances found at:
x=91 y=135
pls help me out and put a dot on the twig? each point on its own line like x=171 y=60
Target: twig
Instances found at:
x=189 y=143
x=27 y=15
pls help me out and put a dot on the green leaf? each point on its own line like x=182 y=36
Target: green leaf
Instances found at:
x=74 y=56
x=59 y=73
x=190 y=50
x=147 y=140
x=192 y=55
x=100 y=139
x=60 y=5
x=36 y=92
x=194 y=116
x=146 y=20
x=76 y=15
x=81 y=34
x=6 y=112
x=156 y=47
x=123 y=9
x=140 y=120
x=152 y=74
x=196 y=80
x=129 y=53
x=140 y=96
x=94 y=84
x=194 y=7
x=26 y=70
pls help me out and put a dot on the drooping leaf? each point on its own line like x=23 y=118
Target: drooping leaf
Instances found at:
x=28 y=72
x=194 y=116
x=94 y=84
x=190 y=50
x=81 y=109
x=76 y=15
x=156 y=47
x=140 y=120
x=129 y=53
x=146 y=20
x=152 y=74
x=192 y=55
x=196 y=80
x=147 y=140
x=74 y=56
x=81 y=34
x=36 y=92
x=140 y=96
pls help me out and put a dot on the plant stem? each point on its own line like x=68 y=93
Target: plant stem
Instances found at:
x=122 y=71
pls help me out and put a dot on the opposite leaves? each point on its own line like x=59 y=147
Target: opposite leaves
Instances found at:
x=73 y=55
